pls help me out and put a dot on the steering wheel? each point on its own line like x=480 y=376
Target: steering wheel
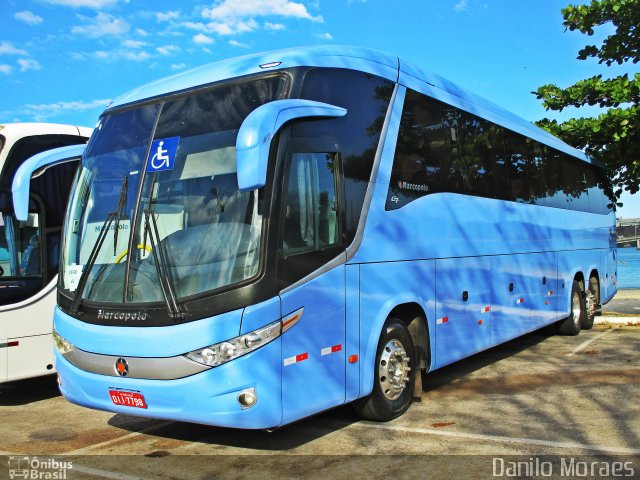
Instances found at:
x=123 y=255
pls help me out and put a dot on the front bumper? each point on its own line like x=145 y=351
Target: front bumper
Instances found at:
x=209 y=397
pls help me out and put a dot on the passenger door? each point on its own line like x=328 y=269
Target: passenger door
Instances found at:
x=313 y=350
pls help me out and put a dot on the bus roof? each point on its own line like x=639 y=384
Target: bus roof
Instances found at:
x=354 y=58
x=19 y=130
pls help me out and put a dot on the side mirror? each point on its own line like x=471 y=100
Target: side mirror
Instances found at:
x=259 y=128
x=34 y=167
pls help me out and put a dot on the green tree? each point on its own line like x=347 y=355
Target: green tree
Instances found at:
x=614 y=135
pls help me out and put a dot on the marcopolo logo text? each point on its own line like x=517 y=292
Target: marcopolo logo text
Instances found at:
x=125 y=316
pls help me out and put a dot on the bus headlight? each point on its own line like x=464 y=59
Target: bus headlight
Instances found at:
x=222 y=352
x=62 y=345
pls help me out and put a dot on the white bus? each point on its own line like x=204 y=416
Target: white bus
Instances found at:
x=29 y=250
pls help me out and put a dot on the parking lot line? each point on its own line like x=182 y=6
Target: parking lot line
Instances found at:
x=585 y=344
x=501 y=439
x=106 y=443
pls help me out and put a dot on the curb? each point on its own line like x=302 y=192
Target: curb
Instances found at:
x=617 y=320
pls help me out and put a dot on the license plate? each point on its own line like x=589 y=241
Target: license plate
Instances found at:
x=127 y=399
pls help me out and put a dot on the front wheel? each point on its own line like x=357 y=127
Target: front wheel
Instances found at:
x=394 y=375
x=572 y=324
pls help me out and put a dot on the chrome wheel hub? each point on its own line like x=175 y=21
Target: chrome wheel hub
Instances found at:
x=393 y=369
x=576 y=308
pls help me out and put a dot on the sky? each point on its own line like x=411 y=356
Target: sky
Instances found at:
x=65 y=60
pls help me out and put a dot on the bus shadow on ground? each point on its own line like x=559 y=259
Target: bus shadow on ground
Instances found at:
x=462 y=368
x=317 y=426
x=24 y=392
x=281 y=439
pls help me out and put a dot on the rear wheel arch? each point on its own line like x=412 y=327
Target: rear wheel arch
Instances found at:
x=415 y=318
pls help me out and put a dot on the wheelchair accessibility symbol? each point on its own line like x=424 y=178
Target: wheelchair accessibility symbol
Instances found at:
x=163 y=154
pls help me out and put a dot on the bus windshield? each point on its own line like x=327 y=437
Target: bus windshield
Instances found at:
x=161 y=180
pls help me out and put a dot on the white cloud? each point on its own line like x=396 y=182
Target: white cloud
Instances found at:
x=326 y=36
x=28 y=17
x=95 y=4
x=166 y=16
x=6 y=69
x=134 y=43
x=42 y=112
x=235 y=43
x=225 y=9
x=198 y=26
x=461 y=6
x=121 y=54
x=274 y=26
x=27 y=64
x=7 y=48
x=232 y=27
x=178 y=66
x=167 y=49
x=141 y=32
x=101 y=25
x=202 y=39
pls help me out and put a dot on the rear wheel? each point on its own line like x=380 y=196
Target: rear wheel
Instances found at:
x=592 y=301
x=394 y=375
x=572 y=324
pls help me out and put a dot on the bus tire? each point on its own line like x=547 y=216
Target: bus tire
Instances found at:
x=572 y=324
x=394 y=377
x=591 y=303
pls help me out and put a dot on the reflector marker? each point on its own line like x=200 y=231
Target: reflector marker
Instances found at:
x=550 y=292
x=291 y=319
x=15 y=343
x=520 y=300
x=442 y=320
x=486 y=309
x=480 y=322
x=298 y=358
x=330 y=350
x=547 y=302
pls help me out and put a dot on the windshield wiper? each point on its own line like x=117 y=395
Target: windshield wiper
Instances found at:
x=160 y=261
x=93 y=256
x=122 y=202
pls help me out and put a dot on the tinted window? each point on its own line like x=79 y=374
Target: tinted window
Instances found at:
x=551 y=180
x=310 y=216
x=484 y=168
x=355 y=135
x=575 y=185
x=523 y=168
x=427 y=158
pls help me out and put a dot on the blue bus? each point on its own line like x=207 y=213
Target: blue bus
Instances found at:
x=267 y=237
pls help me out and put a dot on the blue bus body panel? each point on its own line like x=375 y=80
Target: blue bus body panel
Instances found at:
x=352 y=331
x=149 y=341
x=354 y=58
x=453 y=225
x=313 y=351
x=463 y=308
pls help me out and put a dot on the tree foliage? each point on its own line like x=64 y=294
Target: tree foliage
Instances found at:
x=614 y=135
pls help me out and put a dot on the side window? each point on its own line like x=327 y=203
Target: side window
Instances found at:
x=310 y=211
x=554 y=195
x=523 y=168
x=575 y=185
x=20 y=255
x=484 y=168
x=427 y=158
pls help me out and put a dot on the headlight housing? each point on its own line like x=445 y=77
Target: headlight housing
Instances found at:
x=62 y=345
x=222 y=352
